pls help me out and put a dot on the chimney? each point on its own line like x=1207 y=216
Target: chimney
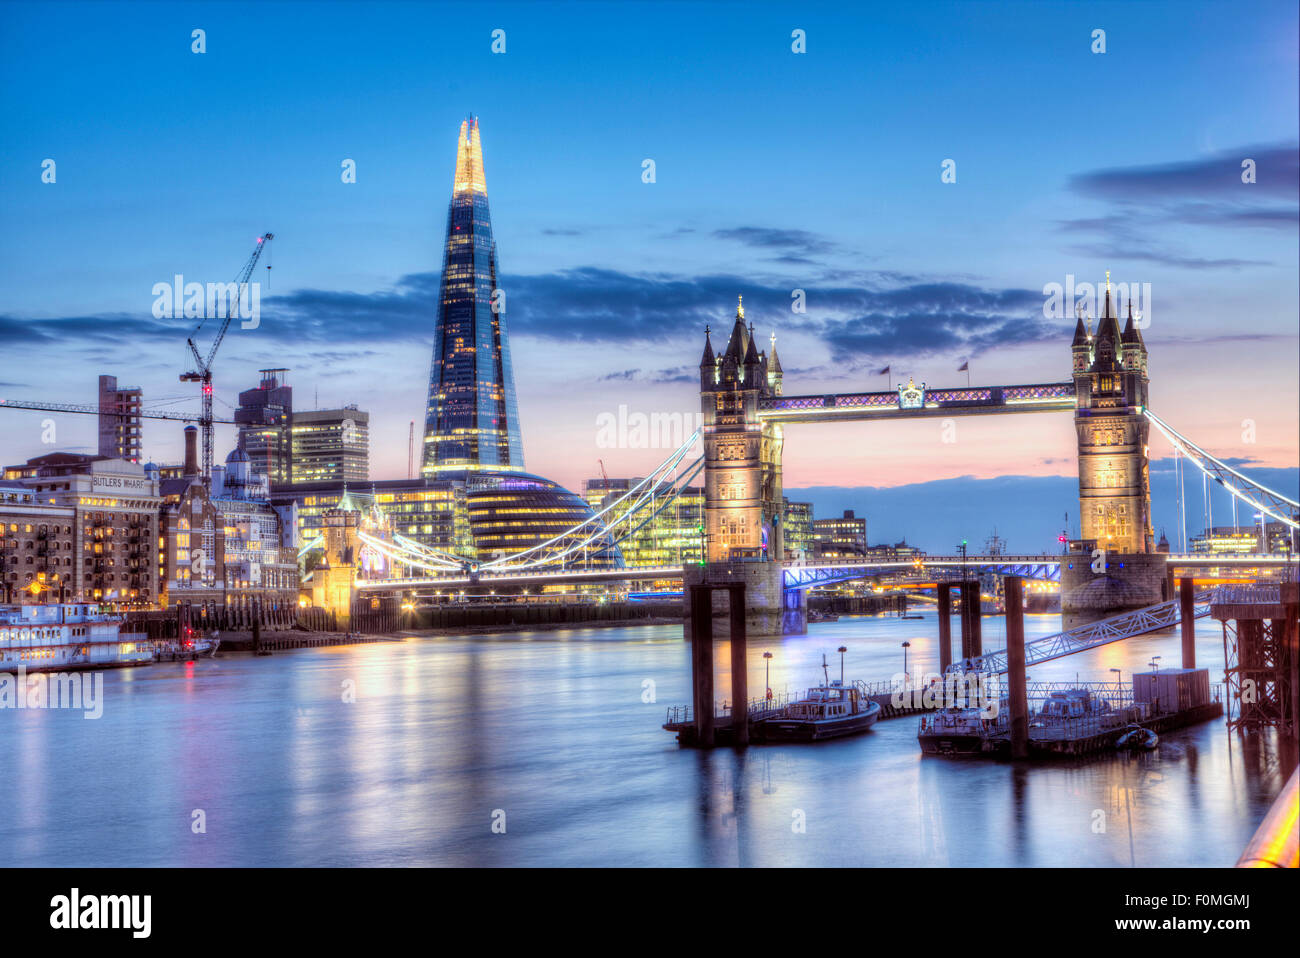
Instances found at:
x=191 y=451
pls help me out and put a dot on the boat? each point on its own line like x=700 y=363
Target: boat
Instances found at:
x=58 y=637
x=1137 y=738
x=831 y=710
x=814 y=616
x=187 y=649
x=952 y=731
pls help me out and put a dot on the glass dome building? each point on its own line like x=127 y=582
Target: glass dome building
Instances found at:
x=510 y=513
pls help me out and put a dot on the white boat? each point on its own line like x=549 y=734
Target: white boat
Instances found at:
x=45 y=638
x=827 y=711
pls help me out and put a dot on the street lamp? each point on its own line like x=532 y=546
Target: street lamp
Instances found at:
x=1154 y=664
x=1119 y=676
x=842 y=649
x=767 y=674
x=906 y=646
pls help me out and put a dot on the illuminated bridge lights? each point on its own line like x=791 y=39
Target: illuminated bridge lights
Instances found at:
x=1044 y=397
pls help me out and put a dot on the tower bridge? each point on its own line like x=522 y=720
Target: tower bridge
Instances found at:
x=1113 y=568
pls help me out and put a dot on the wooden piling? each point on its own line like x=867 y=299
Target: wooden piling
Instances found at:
x=739 y=666
x=1014 y=588
x=971 y=642
x=945 y=626
x=1186 y=604
x=702 y=662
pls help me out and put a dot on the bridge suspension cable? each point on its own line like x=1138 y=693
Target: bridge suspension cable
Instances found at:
x=601 y=532
x=1242 y=487
x=658 y=483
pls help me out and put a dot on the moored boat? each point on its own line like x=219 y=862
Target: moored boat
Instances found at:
x=952 y=731
x=831 y=710
x=50 y=638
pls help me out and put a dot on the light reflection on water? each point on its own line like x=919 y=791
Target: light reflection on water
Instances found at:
x=550 y=727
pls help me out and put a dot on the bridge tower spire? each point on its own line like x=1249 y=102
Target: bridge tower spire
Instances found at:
x=743 y=501
x=1110 y=380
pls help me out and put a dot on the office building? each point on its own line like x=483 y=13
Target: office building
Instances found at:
x=265 y=422
x=331 y=445
x=845 y=537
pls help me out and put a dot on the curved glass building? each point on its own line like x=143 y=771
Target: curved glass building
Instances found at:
x=513 y=512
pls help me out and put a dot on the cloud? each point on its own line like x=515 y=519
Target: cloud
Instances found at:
x=678 y=374
x=1219 y=176
x=598 y=305
x=761 y=237
x=1206 y=192
x=941 y=318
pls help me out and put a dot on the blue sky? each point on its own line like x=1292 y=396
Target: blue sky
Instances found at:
x=774 y=171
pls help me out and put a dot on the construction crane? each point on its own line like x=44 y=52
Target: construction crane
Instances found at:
x=95 y=410
x=202 y=373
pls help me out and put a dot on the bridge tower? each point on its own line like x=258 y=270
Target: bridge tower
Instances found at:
x=743 y=520
x=334 y=580
x=1110 y=379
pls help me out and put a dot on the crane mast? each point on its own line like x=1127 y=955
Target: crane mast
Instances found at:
x=202 y=373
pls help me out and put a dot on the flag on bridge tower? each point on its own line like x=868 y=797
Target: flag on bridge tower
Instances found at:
x=886 y=372
x=965 y=368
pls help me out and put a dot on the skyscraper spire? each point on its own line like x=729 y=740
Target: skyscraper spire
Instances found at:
x=469 y=160
x=471 y=417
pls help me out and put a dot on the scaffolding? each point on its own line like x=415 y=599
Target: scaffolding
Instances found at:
x=1260 y=624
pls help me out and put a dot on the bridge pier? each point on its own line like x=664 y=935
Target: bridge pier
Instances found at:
x=770 y=609
x=1096 y=584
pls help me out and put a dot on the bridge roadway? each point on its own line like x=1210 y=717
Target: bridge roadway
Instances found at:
x=905 y=403
x=804 y=574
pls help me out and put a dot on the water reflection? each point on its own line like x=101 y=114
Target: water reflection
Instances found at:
x=555 y=730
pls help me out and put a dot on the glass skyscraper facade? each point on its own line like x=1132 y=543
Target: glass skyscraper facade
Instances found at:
x=472 y=418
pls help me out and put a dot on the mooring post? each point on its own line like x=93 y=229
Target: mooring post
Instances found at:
x=970 y=620
x=702 y=662
x=945 y=626
x=1019 y=698
x=739 y=665
x=1187 y=611
x=963 y=618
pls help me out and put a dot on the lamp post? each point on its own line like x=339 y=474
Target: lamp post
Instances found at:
x=842 y=649
x=767 y=674
x=1119 y=676
x=1154 y=663
x=906 y=646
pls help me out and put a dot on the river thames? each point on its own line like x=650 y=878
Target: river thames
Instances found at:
x=549 y=735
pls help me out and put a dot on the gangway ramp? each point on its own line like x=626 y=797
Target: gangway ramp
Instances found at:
x=1153 y=618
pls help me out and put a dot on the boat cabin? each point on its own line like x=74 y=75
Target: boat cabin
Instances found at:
x=827 y=702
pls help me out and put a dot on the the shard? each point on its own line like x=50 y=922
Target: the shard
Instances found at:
x=472 y=418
